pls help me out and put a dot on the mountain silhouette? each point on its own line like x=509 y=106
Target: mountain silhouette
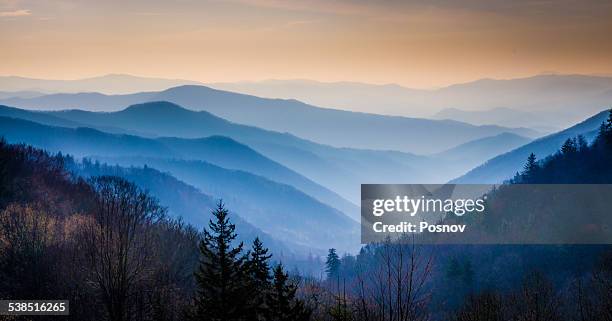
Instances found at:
x=327 y=126
x=504 y=166
x=341 y=170
x=484 y=148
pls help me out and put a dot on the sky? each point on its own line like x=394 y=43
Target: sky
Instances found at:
x=419 y=44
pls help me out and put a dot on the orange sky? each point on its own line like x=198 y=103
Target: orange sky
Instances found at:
x=412 y=43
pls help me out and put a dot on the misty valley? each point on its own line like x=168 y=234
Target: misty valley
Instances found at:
x=194 y=203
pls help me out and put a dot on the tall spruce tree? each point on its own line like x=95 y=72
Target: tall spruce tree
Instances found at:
x=608 y=129
x=332 y=264
x=259 y=271
x=281 y=300
x=224 y=287
x=582 y=143
x=530 y=169
x=569 y=147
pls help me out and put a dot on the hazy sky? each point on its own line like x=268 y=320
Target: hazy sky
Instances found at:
x=413 y=43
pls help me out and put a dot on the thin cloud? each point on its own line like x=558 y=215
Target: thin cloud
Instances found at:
x=15 y=13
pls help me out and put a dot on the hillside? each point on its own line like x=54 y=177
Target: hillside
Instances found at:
x=182 y=200
x=504 y=166
x=279 y=210
x=501 y=116
x=472 y=153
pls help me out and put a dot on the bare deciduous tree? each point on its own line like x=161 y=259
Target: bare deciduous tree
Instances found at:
x=116 y=242
x=396 y=289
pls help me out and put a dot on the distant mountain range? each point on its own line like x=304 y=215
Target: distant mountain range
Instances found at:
x=327 y=126
x=389 y=99
x=475 y=151
x=504 y=166
x=110 y=84
x=20 y=94
x=510 y=117
x=568 y=96
x=341 y=170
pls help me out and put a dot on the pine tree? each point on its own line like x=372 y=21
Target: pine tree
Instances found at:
x=281 y=300
x=332 y=264
x=569 y=147
x=259 y=271
x=530 y=168
x=224 y=290
x=582 y=143
x=601 y=134
x=258 y=263
x=608 y=129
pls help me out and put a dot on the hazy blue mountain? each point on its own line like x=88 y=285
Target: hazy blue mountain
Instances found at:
x=500 y=116
x=332 y=127
x=339 y=169
x=281 y=210
x=327 y=126
x=79 y=141
x=110 y=84
x=20 y=94
x=230 y=154
x=504 y=166
x=48 y=119
x=277 y=209
x=216 y=150
x=484 y=148
x=36 y=116
x=569 y=96
x=91 y=101
x=182 y=200
x=389 y=99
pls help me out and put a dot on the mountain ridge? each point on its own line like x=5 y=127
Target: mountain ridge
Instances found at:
x=333 y=127
x=506 y=165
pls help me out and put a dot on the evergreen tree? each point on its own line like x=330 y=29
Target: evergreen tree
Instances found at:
x=259 y=271
x=530 y=169
x=608 y=129
x=569 y=147
x=332 y=264
x=224 y=289
x=601 y=134
x=258 y=263
x=281 y=300
x=582 y=143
